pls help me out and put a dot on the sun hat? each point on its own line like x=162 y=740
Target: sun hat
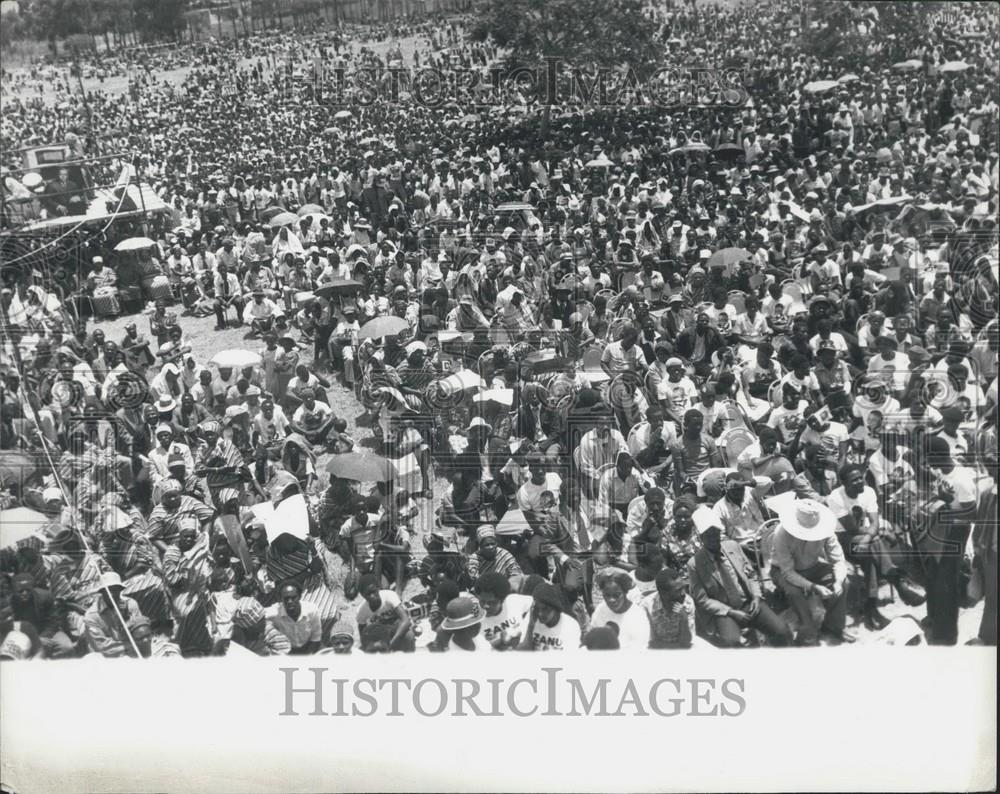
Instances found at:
x=16 y=646
x=111 y=579
x=165 y=404
x=704 y=519
x=51 y=494
x=461 y=613
x=807 y=519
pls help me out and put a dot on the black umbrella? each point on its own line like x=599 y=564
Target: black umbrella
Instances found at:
x=728 y=150
x=338 y=286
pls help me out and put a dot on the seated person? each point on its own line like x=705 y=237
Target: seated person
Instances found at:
x=726 y=595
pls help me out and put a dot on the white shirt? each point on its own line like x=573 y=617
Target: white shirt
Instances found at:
x=510 y=621
x=306 y=628
x=564 y=636
x=633 y=625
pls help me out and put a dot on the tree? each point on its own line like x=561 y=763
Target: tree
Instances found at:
x=579 y=34
x=609 y=33
x=872 y=33
x=160 y=18
x=54 y=19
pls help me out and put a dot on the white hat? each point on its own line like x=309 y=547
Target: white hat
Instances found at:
x=110 y=579
x=16 y=646
x=807 y=519
x=478 y=421
x=52 y=494
x=705 y=518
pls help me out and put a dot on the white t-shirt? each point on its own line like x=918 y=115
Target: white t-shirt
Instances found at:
x=787 y=420
x=679 y=394
x=883 y=470
x=529 y=494
x=386 y=611
x=963 y=480
x=510 y=621
x=564 y=636
x=841 y=504
x=829 y=440
x=633 y=625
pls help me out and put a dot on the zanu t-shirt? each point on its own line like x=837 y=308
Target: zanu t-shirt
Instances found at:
x=564 y=636
x=510 y=621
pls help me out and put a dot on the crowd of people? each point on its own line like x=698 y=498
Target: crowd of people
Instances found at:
x=709 y=377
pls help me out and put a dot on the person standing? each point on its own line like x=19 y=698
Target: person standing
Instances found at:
x=955 y=499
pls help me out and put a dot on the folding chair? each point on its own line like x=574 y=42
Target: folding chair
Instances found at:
x=738 y=300
x=733 y=441
x=763 y=546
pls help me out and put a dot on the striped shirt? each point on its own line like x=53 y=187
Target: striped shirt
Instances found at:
x=503 y=563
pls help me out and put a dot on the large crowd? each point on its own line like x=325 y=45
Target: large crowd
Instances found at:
x=712 y=376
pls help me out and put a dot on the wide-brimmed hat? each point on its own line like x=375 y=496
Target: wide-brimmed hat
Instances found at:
x=704 y=518
x=165 y=404
x=461 y=613
x=111 y=579
x=807 y=519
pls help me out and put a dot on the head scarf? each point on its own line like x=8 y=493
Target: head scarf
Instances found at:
x=210 y=426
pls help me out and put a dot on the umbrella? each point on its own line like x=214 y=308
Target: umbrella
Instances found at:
x=338 y=286
x=389 y=325
x=270 y=212
x=689 y=148
x=729 y=150
x=316 y=217
x=548 y=361
x=282 y=219
x=848 y=78
x=361 y=467
x=20 y=524
x=601 y=161
x=908 y=66
x=469 y=118
x=819 y=86
x=134 y=244
x=727 y=257
x=463 y=380
x=420 y=199
x=236 y=359
x=499 y=396
x=309 y=209
x=17 y=467
x=955 y=66
x=341 y=115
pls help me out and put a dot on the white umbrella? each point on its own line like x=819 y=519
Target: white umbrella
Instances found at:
x=848 y=78
x=601 y=161
x=908 y=66
x=135 y=244
x=340 y=115
x=237 y=358
x=282 y=219
x=819 y=86
x=955 y=66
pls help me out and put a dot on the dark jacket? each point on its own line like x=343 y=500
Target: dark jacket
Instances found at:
x=706 y=581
